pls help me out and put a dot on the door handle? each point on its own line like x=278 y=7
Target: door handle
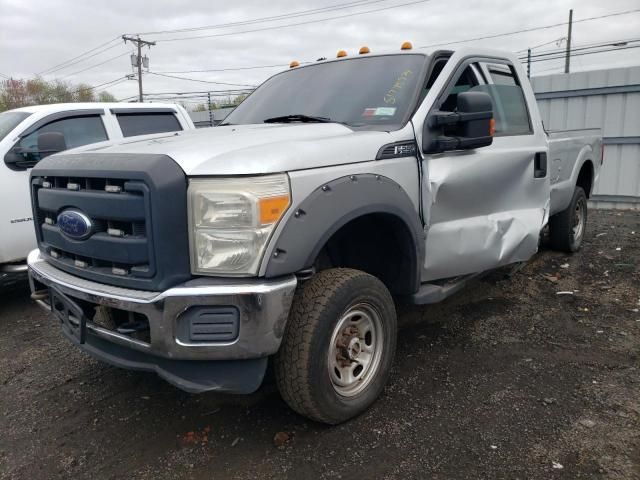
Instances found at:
x=540 y=165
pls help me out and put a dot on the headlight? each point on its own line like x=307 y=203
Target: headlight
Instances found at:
x=231 y=220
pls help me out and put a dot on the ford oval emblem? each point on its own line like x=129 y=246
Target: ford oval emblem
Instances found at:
x=75 y=224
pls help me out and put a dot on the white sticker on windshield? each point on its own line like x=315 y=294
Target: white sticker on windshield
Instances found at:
x=386 y=111
x=379 y=111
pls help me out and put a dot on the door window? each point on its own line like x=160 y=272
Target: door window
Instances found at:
x=509 y=104
x=502 y=75
x=77 y=131
x=465 y=82
x=133 y=124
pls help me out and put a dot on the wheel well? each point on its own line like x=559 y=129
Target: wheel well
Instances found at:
x=585 y=177
x=380 y=244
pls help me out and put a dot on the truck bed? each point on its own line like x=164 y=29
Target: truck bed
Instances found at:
x=568 y=150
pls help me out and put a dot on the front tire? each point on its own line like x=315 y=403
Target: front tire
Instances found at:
x=338 y=347
x=567 y=228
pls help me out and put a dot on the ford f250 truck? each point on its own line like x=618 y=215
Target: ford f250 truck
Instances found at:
x=30 y=134
x=289 y=232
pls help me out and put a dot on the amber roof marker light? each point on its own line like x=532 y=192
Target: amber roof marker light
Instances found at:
x=406 y=46
x=364 y=50
x=341 y=53
x=294 y=64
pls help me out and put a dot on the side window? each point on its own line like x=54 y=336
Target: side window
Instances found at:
x=502 y=76
x=133 y=124
x=465 y=82
x=509 y=104
x=77 y=131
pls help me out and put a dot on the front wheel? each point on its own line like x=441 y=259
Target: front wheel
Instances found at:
x=338 y=347
x=567 y=228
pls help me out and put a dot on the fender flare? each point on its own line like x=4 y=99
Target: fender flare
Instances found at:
x=333 y=205
x=585 y=155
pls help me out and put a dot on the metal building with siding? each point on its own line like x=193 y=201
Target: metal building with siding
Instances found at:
x=605 y=99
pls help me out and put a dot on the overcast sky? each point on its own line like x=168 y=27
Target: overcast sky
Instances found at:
x=36 y=35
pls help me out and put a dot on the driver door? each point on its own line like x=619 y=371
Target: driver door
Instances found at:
x=485 y=207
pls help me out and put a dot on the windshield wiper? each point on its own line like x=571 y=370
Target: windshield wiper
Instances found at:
x=299 y=118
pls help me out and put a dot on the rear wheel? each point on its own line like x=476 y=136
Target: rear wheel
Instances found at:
x=338 y=347
x=567 y=228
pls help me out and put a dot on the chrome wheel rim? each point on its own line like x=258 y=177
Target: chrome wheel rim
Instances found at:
x=355 y=350
x=579 y=220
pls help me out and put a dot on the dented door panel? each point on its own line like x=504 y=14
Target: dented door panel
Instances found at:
x=486 y=207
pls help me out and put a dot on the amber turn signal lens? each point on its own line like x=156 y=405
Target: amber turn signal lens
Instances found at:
x=272 y=208
x=341 y=53
x=364 y=50
x=492 y=127
x=406 y=46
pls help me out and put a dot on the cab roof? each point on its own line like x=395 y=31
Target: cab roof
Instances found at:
x=61 y=107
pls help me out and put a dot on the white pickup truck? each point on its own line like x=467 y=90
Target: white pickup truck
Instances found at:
x=30 y=134
x=289 y=232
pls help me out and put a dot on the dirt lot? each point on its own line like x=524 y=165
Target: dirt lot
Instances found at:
x=508 y=379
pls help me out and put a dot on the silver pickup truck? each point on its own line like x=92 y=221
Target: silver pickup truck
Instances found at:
x=289 y=232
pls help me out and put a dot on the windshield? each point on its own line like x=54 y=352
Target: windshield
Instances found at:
x=9 y=121
x=367 y=91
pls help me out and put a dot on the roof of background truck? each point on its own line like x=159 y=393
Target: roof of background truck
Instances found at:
x=61 y=107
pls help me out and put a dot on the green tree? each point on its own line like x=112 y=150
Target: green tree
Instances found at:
x=238 y=100
x=16 y=93
x=106 y=97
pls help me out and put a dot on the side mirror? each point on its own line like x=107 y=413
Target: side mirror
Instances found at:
x=14 y=160
x=50 y=143
x=470 y=126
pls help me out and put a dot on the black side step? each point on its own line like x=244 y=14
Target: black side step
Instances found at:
x=434 y=293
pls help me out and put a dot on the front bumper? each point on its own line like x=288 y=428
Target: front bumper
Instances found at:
x=263 y=307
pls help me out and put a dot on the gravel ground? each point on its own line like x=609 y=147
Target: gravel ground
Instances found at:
x=508 y=379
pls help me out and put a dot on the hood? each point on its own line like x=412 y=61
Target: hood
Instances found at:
x=257 y=149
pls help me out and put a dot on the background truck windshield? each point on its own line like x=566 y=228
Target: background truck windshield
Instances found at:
x=363 y=91
x=9 y=121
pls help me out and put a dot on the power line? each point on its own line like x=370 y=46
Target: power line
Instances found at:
x=425 y=46
x=235 y=91
x=198 y=91
x=592 y=44
x=301 y=13
x=176 y=39
x=201 y=81
x=119 y=79
x=230 y=69
x=614 y=43
x=198 y=95
x=122 y=80
x=79 y=58
x=532 y=29
x=556 y=41
x=579 y=54
x=96 y=65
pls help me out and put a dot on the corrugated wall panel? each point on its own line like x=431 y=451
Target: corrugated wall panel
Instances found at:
x=617 y=114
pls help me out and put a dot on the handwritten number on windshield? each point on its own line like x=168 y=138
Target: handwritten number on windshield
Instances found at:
x=390 y=96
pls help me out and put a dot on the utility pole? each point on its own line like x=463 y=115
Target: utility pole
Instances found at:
x=210 y=112
x=139 y=43
x=528 y=63
x=568 y=55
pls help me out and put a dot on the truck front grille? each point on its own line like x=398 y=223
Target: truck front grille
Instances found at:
x=119 y=245
x=122 y=225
